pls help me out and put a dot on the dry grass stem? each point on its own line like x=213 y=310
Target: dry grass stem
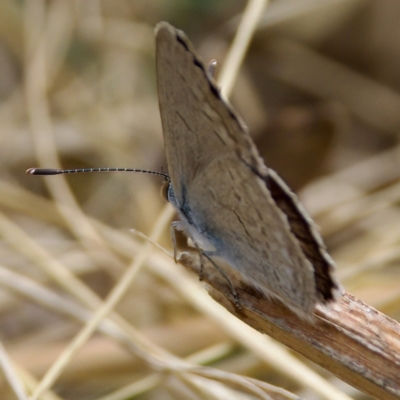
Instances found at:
x=349 y=338
x=240 y=44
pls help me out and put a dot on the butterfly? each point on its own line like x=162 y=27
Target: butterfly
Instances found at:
x=230 y=204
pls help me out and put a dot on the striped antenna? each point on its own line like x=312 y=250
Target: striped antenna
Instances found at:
x=54 y=171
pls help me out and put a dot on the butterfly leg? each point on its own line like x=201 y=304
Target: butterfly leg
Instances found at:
x=208 y=255
x=179 y=242
x=179 y=239
x=175 y=230
x=233 y=290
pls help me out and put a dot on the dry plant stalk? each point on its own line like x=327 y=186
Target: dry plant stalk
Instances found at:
x=352 y=340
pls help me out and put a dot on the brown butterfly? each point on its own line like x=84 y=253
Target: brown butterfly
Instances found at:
x=229 y=202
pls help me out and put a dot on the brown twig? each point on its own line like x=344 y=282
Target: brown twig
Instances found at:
x=352 y=340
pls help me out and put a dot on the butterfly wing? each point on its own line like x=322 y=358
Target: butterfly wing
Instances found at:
x=221 y=184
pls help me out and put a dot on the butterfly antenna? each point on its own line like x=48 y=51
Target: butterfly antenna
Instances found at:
x=55 y=171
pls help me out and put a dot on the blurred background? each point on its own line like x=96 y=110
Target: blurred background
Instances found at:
x=320 y=92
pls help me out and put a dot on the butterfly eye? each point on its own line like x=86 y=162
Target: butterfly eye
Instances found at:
x=167 y=192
